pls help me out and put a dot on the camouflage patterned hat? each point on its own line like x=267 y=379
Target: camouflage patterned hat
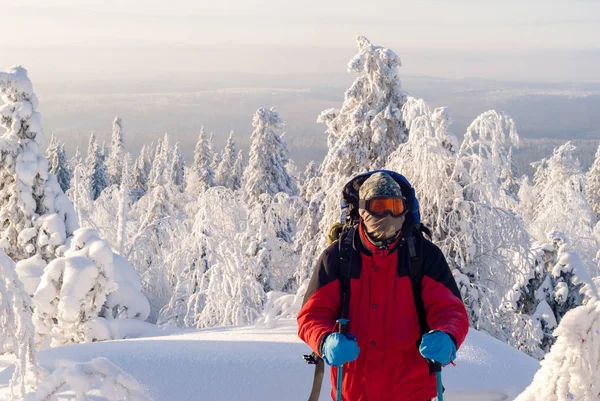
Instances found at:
x=379 y=184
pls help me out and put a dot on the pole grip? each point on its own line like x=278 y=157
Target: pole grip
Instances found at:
x=342 y=325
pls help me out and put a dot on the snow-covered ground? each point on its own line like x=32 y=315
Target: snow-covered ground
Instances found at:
x=256 y=363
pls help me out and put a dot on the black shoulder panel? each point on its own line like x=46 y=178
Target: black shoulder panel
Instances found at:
x=325 y=271
x=436 y=267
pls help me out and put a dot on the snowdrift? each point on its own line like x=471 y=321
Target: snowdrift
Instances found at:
x=259 y=364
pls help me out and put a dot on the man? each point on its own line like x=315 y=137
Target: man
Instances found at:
x=380 y=357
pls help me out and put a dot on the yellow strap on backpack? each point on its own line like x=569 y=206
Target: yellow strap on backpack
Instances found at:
x=334 y=233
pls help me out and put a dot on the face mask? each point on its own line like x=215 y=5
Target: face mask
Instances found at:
x=381 y=228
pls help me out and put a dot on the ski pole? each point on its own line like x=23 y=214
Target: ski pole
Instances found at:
x=437 y=368
x=440 y=388
x=342 y=325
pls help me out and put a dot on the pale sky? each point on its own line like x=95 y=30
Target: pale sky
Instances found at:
x=458 y=24
x=74 y=37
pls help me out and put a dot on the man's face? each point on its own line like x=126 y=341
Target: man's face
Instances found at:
x=381 y=228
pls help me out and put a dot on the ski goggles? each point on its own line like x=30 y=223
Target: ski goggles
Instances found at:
x=382 y=206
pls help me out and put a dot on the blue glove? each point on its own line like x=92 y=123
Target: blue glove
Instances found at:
x=437 y=346
x=339 y=348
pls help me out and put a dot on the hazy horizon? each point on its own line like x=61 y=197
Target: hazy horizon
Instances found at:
x=66 y=40
x=177 y=66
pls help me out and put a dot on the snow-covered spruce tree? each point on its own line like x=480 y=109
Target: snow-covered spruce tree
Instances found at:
x=159 y=175
x=202 y=175
x=148 y=157
x=124 y=204
x=271 y=230
x=215 y=155
x=369 y=126
x=139 y=186
x=58 y=164
x=592 y=190
x=79 y=193
x=528 y=312
x=294 y=173
x=310 y=172
x=158 y=242
x=556 y=202
x=266 y=172
x=96 y=177
x=75 y=160
x=35 y=215
x=486 y=154
x=156 y=155
x=81 y=294
x=52 y=152
x=225 y=173
x=177 y=170
x=361 y=136
x=115 y=157
x=16 y=330
x=480 y=241
x=238 y=171
x=221 y=288
x=556 y=283
x=62 y=172
x=571 y=371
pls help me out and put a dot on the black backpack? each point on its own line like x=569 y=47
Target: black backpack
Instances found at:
x=345 y=230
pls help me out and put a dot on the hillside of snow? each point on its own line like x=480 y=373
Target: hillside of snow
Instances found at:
x=258 y=364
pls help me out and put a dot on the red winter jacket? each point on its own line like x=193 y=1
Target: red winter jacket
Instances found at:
x=383 y=317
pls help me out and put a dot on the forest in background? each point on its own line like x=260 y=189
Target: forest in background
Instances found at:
x=230 y=238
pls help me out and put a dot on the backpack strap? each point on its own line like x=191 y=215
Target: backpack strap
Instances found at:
x=415 y=267
x=345 y=269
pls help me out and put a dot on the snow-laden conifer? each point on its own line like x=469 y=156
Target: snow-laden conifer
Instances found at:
x=79 y=292
x=556 y=283
x=203 y=175
x=215 y=156
x=486 y=154
x=124 y=204
x=571 y=371
x=159 y=175
x=139 y=185
x=266 y=172
x=223 y=287
x=62 y=173
x=592 y=190
x=52 y=152
x=35 y=214
x=369 y=126
x=114 y=160
x=177 y=169
x=96 y=177
x=158 y=245
x=75 y=160
x=225 y=172
x=17 y=331
x=58 y=164
x=556 y=202
x=238 y=171
x=154 y=156
x=310 y=171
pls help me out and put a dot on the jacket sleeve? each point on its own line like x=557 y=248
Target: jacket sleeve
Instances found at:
x=441 y=297
x=322 y=302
